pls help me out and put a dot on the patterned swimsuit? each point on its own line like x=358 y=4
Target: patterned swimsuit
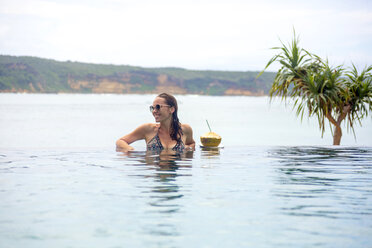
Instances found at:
x=156 y=145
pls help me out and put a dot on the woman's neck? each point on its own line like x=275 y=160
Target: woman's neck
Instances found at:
x=165 y=126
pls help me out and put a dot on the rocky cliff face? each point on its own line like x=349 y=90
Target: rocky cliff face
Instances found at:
x=116 y=87
x=103 y=86
x=35 y=75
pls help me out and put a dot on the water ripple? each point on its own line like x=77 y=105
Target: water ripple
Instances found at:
x=297 y=196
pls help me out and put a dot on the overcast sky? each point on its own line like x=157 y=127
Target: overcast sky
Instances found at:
x=206 y=34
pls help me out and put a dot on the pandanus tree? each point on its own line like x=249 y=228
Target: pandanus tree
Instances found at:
x=329 y=93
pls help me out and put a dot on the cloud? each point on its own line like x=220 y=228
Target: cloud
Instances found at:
x=232 y=35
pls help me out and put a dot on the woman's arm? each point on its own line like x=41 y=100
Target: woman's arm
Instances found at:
x=190 y=143
x=139 y=133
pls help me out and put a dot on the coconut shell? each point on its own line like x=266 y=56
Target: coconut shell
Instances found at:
x=210 y=139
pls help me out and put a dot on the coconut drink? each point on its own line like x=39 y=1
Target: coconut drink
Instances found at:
x=210 y=139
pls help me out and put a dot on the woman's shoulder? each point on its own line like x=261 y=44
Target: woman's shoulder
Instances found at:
x=149 y=127
x=145 y=128
x=186 y=127
x=148 y=130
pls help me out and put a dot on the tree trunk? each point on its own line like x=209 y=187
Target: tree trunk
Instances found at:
x=337 y=136
x=338 y=133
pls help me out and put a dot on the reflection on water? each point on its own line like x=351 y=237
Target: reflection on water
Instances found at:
x=210 y=152
x=231 y=197
x=323 y=182
x=164 y=194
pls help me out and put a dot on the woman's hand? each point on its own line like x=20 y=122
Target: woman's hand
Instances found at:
x=190 y=147
x=123 y=146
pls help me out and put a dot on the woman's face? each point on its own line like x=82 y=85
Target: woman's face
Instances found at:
x=161 y=110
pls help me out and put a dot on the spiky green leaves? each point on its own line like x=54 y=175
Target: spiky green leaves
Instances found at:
x=320 y=90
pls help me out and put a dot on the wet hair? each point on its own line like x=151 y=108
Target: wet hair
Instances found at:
x=176 y=129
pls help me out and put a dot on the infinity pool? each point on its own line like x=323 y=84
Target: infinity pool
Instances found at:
x=280 y=196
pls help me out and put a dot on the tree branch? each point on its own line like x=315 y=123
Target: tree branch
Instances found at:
x=331 y=119
x=342 y=116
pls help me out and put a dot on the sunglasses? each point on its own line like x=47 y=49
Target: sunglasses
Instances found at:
x=157 y=107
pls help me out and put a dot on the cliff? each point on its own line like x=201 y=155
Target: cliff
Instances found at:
x=37 y=75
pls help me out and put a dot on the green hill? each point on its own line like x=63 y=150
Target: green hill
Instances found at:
x=32 y=74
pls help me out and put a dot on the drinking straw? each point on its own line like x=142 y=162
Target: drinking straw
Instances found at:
x=209 y=126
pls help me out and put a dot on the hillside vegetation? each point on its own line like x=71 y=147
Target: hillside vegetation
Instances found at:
x=37 y=75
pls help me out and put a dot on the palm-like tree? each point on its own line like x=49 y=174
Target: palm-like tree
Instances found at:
x=328 y=93
x=358 y=94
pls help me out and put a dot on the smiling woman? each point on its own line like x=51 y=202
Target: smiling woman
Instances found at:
x=167 y=134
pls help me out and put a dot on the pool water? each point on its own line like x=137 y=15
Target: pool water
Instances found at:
x=238 y=196
x=276 y=183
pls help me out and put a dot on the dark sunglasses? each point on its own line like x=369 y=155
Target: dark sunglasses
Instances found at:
x=157 y=107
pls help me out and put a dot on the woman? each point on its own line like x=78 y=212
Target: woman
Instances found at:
x=167 y=134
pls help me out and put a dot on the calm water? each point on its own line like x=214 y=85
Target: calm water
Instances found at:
x=274 y=184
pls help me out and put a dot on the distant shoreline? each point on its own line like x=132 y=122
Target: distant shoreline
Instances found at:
x=79 y=93
x=38 y=75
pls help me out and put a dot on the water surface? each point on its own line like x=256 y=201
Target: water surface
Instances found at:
x=232 y=197
x=96 y=121
x=276 y=182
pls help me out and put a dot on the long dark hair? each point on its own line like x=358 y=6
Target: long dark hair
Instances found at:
x=176 y=129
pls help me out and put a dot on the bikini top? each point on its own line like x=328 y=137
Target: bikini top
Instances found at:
x=156 y=145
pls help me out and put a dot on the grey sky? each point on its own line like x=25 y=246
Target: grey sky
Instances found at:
x=205 y=34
